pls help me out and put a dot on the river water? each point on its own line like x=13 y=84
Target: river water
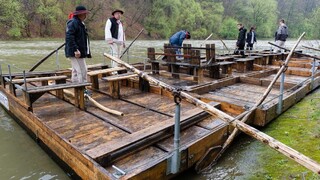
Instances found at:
x=22 y=158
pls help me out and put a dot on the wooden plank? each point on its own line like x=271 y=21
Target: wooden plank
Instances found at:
x=214 y=85
x=289 y=101
x=19 y=81
x=79 y=162
x=104 y=71
x=251 y=80
x=119 y=77
x=39 y=89
x=103 y=151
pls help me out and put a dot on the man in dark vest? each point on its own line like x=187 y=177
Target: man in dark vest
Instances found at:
x=114 y=35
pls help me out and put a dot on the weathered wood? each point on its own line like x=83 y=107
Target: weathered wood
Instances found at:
x=246 y=116
x=119 y=77
x=80 y=163
x=49 y=78
x=244 y=64
x=307 y=55
x=105 y=71
x=32 y=94
x=108 y=152
x=287 y=151
x=312 y=48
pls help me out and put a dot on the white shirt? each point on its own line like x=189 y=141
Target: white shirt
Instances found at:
x=252 y=38
x=108 y=36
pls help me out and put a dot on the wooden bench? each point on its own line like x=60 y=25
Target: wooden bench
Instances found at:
x=43 y=80
x=244 y=64
x=258 y=60
x=27 y=74
x=114 y=82
x=226 y=67
x=33 y=93
x=95 y=74
x=95 y=66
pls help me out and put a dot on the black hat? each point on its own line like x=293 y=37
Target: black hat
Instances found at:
x=81 y=10
x=117 y=10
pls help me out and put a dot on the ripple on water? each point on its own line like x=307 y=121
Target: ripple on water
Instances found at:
x=6 y=123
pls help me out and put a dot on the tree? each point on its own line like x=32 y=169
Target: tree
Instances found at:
x=11 y=18
x=229 y=29
x=48 y=12
x=163 y=18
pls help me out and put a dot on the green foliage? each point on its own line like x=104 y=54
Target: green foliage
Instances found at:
x=162 y=18
x=11 y=17
x=229 y=29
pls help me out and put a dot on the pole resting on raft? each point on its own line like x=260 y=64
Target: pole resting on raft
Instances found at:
x=266 y=139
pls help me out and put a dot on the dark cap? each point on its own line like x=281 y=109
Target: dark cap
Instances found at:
x=81 y=10
x=117 y=10
x=188 y=35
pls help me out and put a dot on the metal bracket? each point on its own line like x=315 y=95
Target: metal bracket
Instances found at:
x=119 y=172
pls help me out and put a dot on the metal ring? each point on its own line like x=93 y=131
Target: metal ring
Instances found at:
x=177 y=99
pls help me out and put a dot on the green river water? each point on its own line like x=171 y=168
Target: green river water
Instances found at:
x=299 y=127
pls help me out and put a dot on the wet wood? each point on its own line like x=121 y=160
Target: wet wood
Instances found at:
x=105 y=153
x=95 y=74
x=289 y=152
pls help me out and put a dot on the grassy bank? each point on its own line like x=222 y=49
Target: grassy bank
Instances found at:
x=299 y=128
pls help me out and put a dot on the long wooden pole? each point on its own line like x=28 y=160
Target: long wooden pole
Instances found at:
x=315 y=57
x=312 y=48
x=45 y=58
x=264 y=96
x=225 y=45
x=132 y=42
x=206 y=39
x=273 y=143
x=98 y=105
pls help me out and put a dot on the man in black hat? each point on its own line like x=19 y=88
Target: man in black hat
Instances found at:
x=114 y=34
x=77 y=44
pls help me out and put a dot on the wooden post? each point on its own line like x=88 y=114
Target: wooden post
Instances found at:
x=195 y=60
x=152 y=57
x=213 y=53
x=214 y=71
x=114 y=89
x=208 y=53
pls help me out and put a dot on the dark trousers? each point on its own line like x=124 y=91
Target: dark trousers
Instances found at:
x=249 y=46
x=240 y=50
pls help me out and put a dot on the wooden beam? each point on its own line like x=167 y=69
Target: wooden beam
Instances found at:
x=108 y=152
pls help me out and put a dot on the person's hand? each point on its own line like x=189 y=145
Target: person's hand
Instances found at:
x=110 y=41
x=77 y=54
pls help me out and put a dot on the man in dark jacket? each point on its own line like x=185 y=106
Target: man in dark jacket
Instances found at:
x=251 y=38
x=177 y=39
x=241 y=42
x=77 y=44
x=281 y=35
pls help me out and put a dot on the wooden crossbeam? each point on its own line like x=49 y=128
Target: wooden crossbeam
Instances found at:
x=104 y=71
x=49 y=78
x=108 y=152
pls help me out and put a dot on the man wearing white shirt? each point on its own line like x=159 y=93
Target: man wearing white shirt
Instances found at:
x=114 y=35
